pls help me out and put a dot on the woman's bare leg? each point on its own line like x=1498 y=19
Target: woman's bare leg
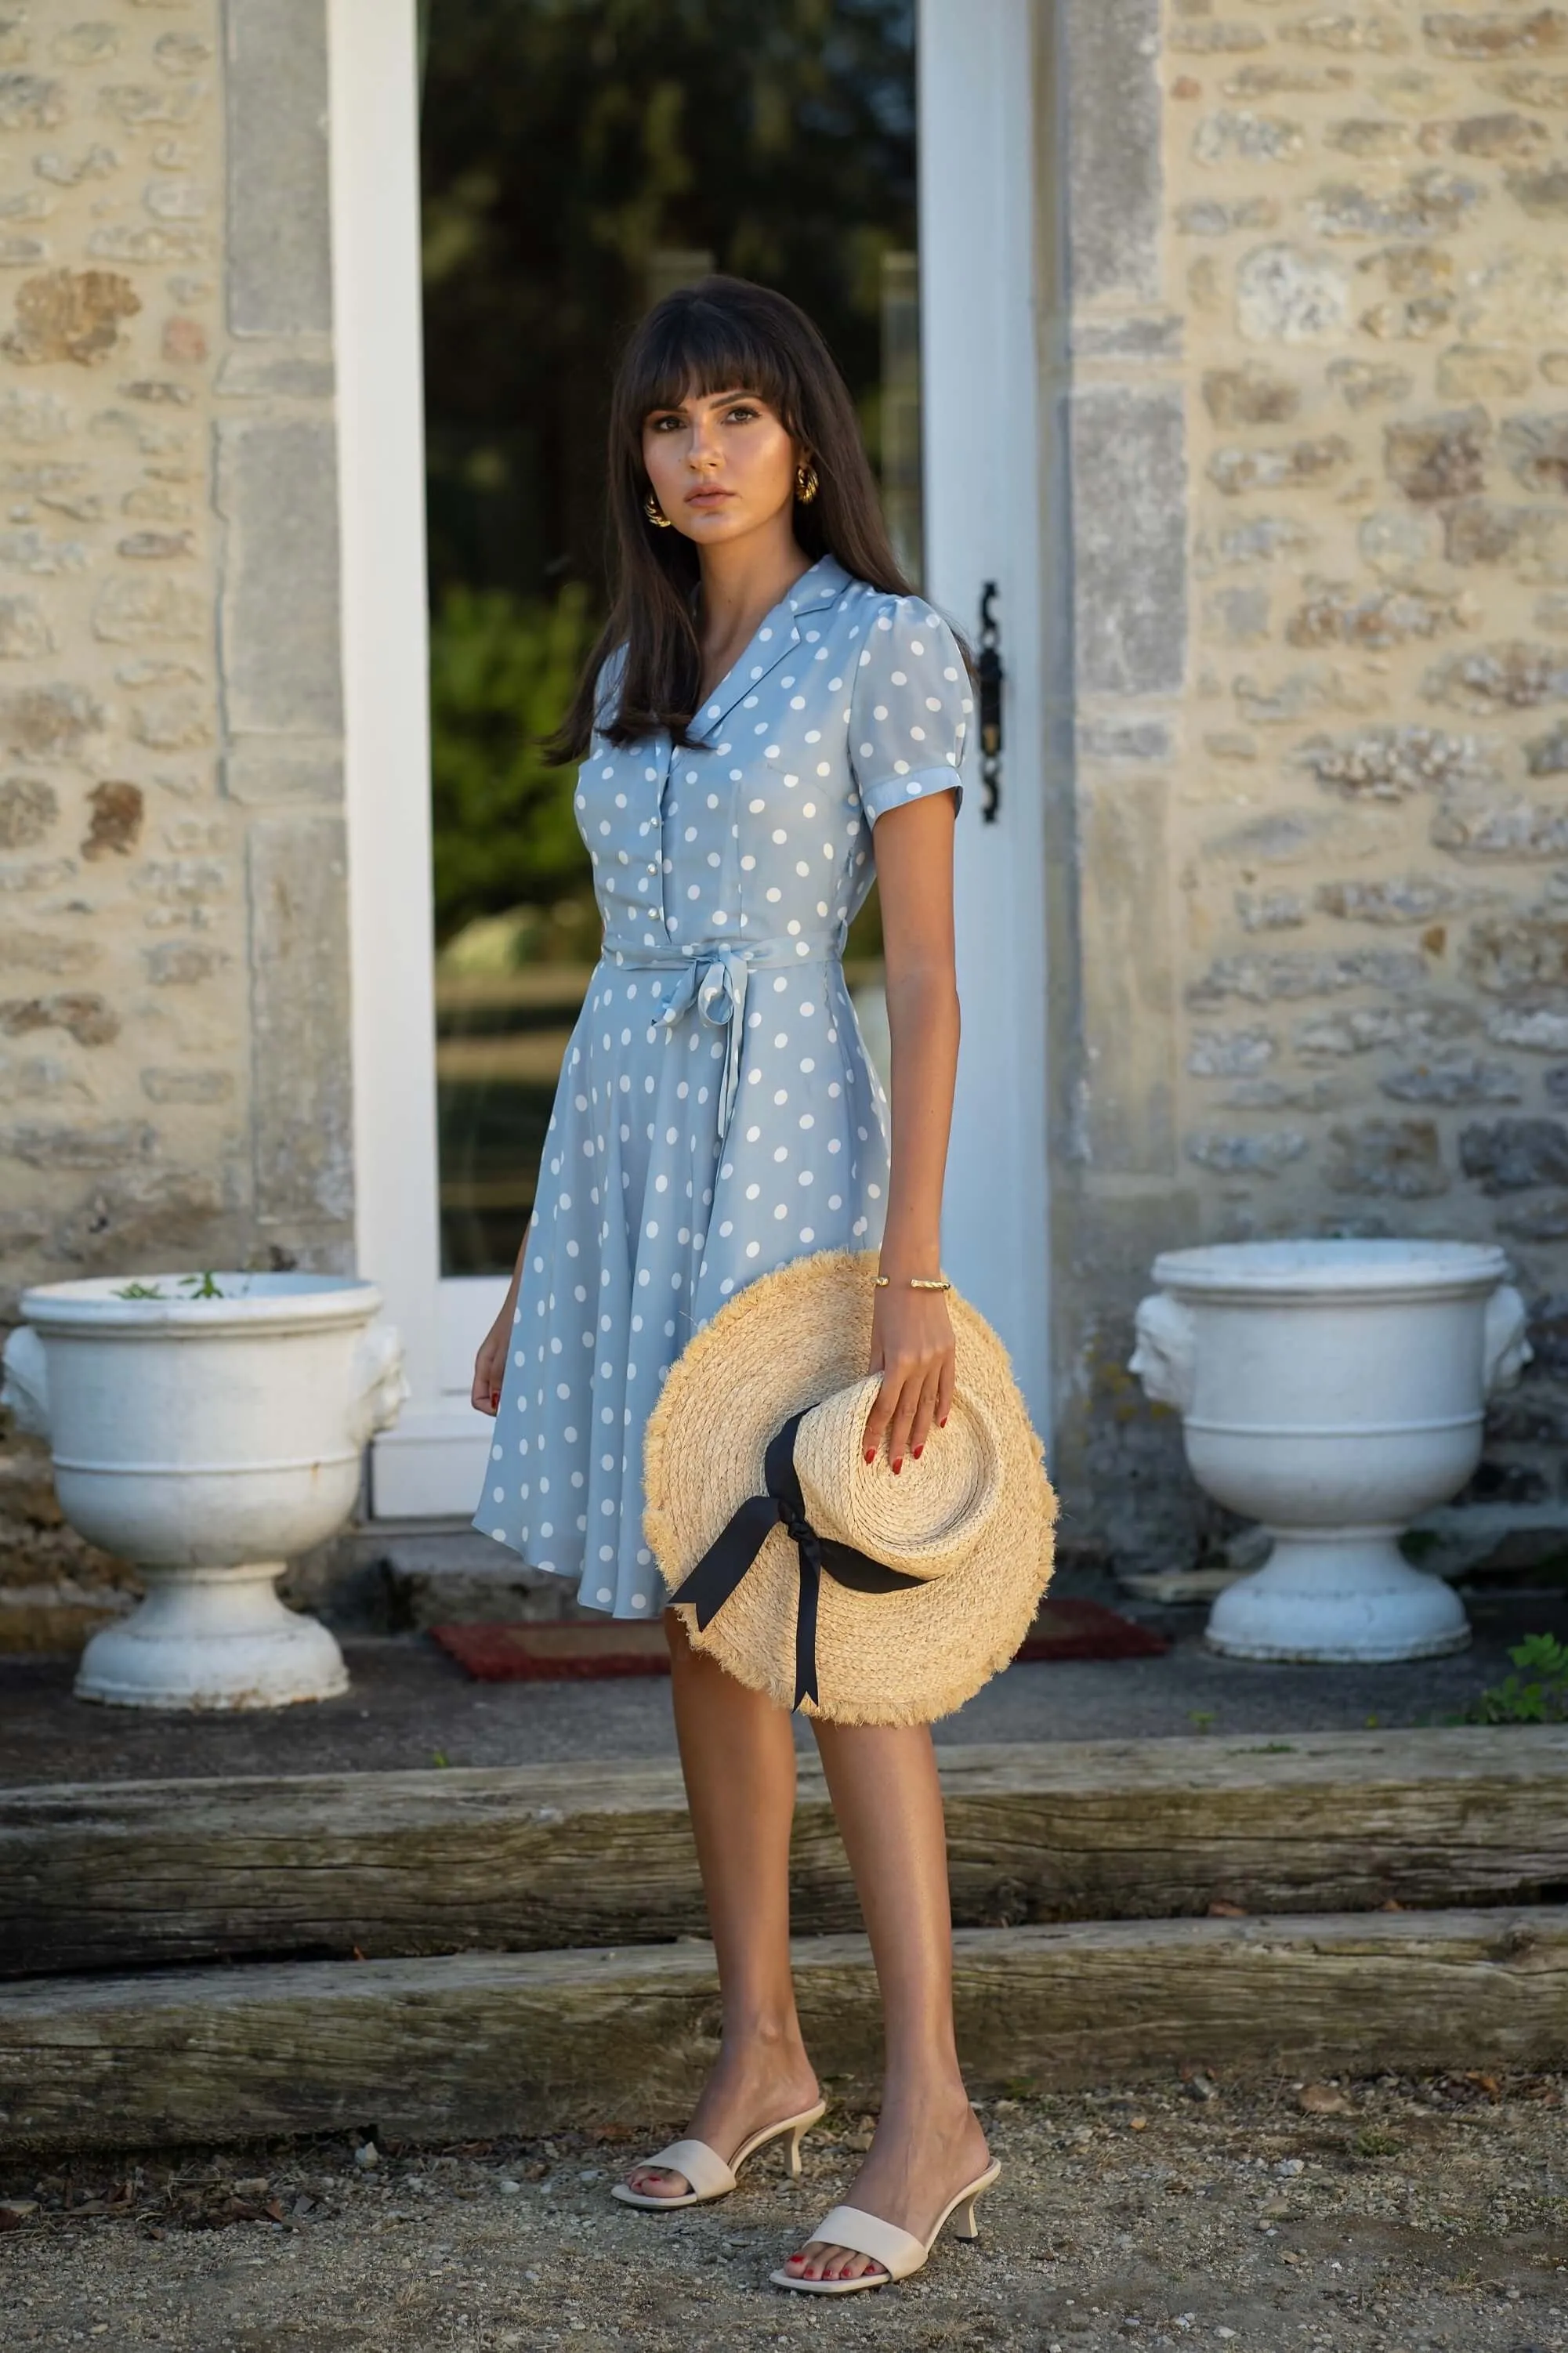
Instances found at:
x=929 y=2143
x=738 y=1753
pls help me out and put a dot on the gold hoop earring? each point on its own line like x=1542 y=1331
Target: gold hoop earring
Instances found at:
x=655 y=513
x=806 y=484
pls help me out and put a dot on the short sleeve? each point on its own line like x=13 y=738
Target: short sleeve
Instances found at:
x=909 y=708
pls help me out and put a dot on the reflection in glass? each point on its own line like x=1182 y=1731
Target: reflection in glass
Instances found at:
x=580 y=158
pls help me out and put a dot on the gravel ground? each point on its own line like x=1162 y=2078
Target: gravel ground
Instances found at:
x=1391 y=2217
x=410 y=1707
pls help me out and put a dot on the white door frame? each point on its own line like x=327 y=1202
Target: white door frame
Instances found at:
x=980 y=373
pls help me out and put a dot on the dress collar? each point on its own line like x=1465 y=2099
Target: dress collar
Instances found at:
x=823 y=583
x=777 y=634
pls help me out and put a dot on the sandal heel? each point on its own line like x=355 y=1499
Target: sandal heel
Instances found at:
x=964 y=2224
x=792 y=2152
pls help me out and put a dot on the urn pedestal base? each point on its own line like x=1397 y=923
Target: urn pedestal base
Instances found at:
x=212 y=1640
x=1345 y=1596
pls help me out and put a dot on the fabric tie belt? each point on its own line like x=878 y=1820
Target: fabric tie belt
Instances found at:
x=734 y=1549
x=713 y=982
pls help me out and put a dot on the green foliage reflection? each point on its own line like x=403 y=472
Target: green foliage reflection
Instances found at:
x=502 y=671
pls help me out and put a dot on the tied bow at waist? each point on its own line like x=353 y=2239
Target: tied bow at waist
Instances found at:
x=713 y=983
x=734 y=1549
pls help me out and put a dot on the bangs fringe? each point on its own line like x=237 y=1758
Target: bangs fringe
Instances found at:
x=695 y=346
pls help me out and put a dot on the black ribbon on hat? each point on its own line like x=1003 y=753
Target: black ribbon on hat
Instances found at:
x=736 y=1547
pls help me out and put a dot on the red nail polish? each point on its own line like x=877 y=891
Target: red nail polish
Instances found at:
x=943 y=1423
x=898 y=1466
x=495 y=1396
x=916 y=1452
x=871 y=1453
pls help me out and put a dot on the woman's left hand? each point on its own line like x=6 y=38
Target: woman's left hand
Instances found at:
x=912 y=1348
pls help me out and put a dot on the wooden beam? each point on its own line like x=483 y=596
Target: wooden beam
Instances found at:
x=123 y=1874
x=473 y=2045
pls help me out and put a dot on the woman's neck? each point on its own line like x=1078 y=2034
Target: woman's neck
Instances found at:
x=740 y=584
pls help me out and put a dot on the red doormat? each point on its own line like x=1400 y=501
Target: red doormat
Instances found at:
x=511 y=1654
x=1072 y=1628
x=1068 y=1629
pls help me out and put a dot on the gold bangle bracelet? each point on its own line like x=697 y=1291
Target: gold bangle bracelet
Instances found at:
x=916 y=1282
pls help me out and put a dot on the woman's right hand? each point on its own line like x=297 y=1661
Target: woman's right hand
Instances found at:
x=490 y=1362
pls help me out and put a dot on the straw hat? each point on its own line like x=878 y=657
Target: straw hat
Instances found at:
x=809 y=1573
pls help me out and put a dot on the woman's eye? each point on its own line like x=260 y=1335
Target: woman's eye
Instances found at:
x=742 y=415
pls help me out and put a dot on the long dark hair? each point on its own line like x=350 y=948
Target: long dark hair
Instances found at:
x=721 y=333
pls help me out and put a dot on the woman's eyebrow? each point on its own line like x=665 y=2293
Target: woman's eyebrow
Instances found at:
x=703 y=400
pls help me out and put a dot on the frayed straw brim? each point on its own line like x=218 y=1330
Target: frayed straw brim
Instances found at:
x=786 y=1341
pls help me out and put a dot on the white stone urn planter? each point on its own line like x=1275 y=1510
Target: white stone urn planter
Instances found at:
x=208 y=1429
x=1333 y=1390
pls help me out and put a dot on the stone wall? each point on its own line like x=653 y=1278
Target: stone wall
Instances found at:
x=1315 y=413
x=173 y=1038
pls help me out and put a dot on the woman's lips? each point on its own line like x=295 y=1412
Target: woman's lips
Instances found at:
x=707 y=498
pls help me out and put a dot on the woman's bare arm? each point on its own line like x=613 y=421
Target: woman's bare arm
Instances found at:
x=912 y=1336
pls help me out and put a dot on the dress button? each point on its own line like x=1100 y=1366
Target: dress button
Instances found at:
x=624 y=857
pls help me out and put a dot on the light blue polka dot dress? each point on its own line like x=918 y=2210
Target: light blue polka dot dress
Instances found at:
x=716 y=1114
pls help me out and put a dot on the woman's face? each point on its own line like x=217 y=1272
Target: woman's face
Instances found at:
x=720 y=464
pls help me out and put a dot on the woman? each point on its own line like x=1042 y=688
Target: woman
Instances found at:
x=768 y=708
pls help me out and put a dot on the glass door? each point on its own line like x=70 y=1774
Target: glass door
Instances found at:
x=577 y=162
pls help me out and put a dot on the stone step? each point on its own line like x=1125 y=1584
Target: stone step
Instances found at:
x=131 y=1874
x=403 y=1577
x=473 y=2045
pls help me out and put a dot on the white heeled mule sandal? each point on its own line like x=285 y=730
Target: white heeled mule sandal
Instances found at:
x=706 y=2170
x=899 y=2252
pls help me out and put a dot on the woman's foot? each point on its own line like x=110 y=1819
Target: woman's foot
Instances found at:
x=749 y=2089
x=925 y=2151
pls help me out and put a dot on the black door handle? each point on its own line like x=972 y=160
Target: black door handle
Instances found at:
x=991 y=676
